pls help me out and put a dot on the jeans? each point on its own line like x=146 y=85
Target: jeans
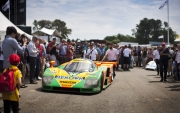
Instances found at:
x=139 y=61
x=32 y=64
x=157 y=64
x=11 y=104
x=38 y=68
x=163 y=68
x=122 y=62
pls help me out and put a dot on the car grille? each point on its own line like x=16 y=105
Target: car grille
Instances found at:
x=66 y=89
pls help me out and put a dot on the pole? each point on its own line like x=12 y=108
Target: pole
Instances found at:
x=168 y=20
x=9 y=10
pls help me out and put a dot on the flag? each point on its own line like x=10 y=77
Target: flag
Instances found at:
x=161 y=7
x=160 y=37
x=6 y=6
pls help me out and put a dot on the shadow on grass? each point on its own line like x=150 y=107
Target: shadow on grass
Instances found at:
x=66 y=92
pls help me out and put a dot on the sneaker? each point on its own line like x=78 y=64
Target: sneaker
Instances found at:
x=39 y=78
x=161 y=80
x=165 y=80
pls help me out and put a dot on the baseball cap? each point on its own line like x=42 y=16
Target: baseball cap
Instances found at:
x=163 y=43
x=14 y=59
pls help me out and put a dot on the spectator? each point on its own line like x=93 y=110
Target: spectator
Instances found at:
x=79 y=49
x=139 y=53
x=1 y=58
x=177 y=59
x=127 y=54
x=43 y=56
x=149 y=56
x=144 y=56
x=164 y=53
x=52 y=51
x=33 y=52
x=38 y=61
x=62 y=51
x=135 y=56
x=92 y=53
x=24 y=60
x=10 y=45
x=112 y=56
x=69 y=54
x=11 y=100
x=156 y=58
x=99 y=55
x=171 y=52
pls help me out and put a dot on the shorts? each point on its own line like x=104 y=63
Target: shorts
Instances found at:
x=126 y=60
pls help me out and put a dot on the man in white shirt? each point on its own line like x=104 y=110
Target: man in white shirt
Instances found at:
x=112 y=56
x=92 y=53
x=33 y=51
x=156 y=58
x=127 y=53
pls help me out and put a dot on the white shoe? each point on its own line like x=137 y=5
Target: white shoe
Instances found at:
x=39 y=78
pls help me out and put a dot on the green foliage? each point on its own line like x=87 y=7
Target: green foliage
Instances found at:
x=150 y=29
x=56 y=24
x=119 y=37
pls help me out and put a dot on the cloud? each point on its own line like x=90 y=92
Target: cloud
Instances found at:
x=95 y=19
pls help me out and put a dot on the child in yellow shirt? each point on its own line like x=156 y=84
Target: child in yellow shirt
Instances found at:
x=11 y=100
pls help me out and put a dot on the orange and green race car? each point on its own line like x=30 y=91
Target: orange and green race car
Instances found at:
x=79 y=75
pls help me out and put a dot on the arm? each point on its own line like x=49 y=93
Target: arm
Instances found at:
x=105 y=56
x=30 y=50
x=17 y=46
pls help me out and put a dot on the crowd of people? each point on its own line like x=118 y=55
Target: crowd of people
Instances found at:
x=35 y=53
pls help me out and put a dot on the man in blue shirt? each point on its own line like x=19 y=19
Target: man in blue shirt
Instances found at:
x=10 y=45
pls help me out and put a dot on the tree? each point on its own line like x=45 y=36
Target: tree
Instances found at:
x=150 y=29
x=56 y=24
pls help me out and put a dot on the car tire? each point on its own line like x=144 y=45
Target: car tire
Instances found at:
x=102 y=82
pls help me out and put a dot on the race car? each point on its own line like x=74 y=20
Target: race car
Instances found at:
x=79 y=75
x=151 y=65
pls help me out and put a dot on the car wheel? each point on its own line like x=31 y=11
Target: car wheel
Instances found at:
x=102 y=82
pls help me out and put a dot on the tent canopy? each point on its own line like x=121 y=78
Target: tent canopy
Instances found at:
x=177 y=39
x=51 y=32
x=4 y=23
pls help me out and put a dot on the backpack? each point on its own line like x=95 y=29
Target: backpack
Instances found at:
x=7 y=81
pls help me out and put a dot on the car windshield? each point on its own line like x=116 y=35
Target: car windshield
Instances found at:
x=78 y=67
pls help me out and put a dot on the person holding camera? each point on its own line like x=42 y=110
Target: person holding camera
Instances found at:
x=92 y=53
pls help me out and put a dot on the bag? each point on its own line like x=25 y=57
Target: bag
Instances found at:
x=90 y=53
x=7 y=81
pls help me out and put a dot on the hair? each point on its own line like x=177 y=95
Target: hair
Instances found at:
x=10 y=30
x=35 y=37
x=17 y=35
x=23 y=36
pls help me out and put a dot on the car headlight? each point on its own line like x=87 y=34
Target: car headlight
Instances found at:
x=47 y=80
x=91 y=83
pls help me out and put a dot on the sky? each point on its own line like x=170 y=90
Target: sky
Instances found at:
x=96 y=19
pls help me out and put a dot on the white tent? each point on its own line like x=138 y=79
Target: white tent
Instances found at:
x=50 y=32
x=177 y=38
x=4 y=23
